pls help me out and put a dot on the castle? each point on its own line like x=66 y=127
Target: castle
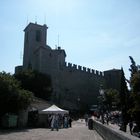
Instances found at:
x=74 y=86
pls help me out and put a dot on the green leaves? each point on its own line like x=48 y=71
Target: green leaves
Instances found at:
x=135 y=91
x=112 y=98
x=135 y=82
x=12 y=96
x=24 y=99
x=133 y=68
x=38 y=83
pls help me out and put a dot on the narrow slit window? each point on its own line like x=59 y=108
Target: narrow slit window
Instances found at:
x=38 y=35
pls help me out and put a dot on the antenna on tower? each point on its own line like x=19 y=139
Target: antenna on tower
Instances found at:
x=21 y=55
x=58 y=40
x=27 y=21
x=44 y=18
x=35 y=19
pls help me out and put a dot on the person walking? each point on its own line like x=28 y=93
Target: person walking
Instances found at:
x=107 y=118
x=65 y=122
x=70 y=121
x=57 y=122
x=52 y=122
x=130 y=126
x=86 y=119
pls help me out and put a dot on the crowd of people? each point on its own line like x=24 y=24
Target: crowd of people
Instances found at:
x=57 y=121
x=115 y=118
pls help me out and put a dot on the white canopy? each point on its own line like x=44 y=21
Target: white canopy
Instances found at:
x=54 y=109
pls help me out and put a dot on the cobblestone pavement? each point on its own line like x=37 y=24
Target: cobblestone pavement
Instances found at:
x=78 y=132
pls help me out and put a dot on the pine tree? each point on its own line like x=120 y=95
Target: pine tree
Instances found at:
x=134 y=111
x=124 y=102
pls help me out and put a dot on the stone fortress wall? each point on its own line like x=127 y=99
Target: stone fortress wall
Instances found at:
x=77 y=83
x=74 y=86
x=75 y=67
x=74 y=82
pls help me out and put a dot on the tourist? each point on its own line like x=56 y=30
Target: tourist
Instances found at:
x=55 y=122
x=70 y=121
x=86 y=119
x=52 y=121
x=65 y=121
x=130 y=126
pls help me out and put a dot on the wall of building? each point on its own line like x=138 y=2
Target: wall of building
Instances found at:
x=79 y=83
x=111 y=134
x=113 y=79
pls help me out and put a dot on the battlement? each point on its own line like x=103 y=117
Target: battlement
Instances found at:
x=74 y=67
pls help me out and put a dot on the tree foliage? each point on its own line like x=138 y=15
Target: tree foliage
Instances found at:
x=124 y=96
x=135 y=91
x=135 y=82
x=12 y=97
x=38 y=83
x=112 y=99
x=133 y=68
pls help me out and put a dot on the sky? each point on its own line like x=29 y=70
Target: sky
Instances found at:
x=98 y=34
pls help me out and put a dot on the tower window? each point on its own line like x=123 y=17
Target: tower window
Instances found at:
x=38 y=35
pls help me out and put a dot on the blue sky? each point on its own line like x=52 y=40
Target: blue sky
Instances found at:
x=99 y=34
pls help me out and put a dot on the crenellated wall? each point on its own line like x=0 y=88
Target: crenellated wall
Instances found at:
x=79 y=68
x=76 y=81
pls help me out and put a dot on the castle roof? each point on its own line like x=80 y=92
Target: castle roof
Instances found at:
x=34 y=25
x=60 y=51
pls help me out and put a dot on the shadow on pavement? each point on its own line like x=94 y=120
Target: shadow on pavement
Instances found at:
x=12 y=130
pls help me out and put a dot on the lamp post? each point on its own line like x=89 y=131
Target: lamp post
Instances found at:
x=101 y=103
x=78 y=100
x=78 y=105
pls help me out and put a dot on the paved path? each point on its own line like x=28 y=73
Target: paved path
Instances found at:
x=78 y=132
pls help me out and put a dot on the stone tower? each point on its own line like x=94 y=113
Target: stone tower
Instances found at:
x=35 y=36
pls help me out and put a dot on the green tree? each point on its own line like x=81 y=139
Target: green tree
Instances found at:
x=12 y=97
x=38 y=83
x=135 y=83
x=135 y=92
x=133 y=68
x=112 y=99
x=124 y=95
